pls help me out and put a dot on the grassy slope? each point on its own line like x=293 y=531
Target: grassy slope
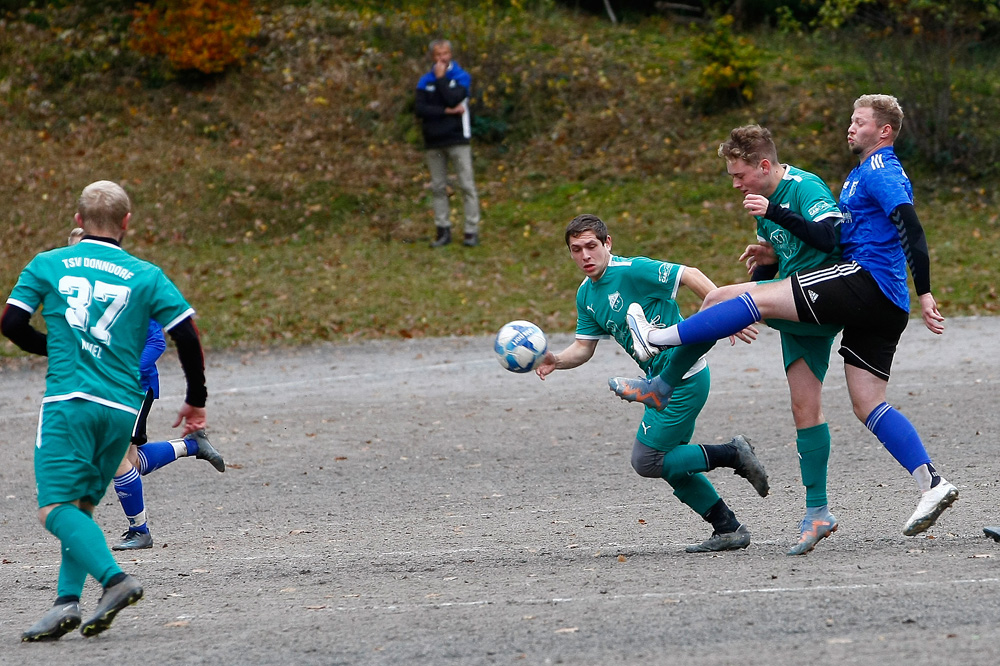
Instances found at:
x=288 y=199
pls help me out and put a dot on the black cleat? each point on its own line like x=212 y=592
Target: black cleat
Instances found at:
x=114 y=599
x=133 y=540
x=749 y=467
x=992 y=532
x=723 y=541
x=60 y=619
x=206 y=451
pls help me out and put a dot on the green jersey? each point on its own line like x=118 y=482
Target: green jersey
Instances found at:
x=806 y=194
x=601 y=306
x=97 y=301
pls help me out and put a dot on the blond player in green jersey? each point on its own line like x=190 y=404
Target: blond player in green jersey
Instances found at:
x=97 y=301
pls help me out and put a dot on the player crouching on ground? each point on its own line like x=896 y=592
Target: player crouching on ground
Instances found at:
x=662 y=447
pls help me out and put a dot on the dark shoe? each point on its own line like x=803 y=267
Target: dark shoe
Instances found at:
x=114 y=599
x=471 y=240
x=725 y=541
x=206 y=451
x=134 y=540
x=993 y=533
x=443 y=237
x=749 y=467
x=59 y=620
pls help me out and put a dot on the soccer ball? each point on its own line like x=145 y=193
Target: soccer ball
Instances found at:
x=520 y=346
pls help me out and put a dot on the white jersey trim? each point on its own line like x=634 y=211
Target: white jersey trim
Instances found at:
x=21 y=304
x=698 y=366
x=187 y=313
x=80 y=395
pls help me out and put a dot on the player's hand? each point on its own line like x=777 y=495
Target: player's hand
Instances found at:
x=933 y=319
x=747 y=335
x=457 y=109
x=193 y=418
x=547 y=366
x=755 y=204
x=759 y=254
x=440 y=67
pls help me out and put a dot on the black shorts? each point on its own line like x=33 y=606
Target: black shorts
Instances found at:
x=847 y=294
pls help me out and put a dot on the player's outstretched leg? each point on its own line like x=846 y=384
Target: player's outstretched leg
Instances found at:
x=117 y=596
x=818 y=524
x=60 y=619
x=154 y=455
x=652 y=392
x=932 y=504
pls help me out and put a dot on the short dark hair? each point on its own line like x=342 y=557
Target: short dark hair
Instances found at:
x=750 y=143
x=587 y=222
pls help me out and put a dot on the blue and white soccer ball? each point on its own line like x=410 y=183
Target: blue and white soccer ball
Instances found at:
x=520 y=346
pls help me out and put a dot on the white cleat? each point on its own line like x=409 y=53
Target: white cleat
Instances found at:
x=640 y=327
x=932 y=504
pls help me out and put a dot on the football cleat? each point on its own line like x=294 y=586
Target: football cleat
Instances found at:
x=639 y=327
x=134 y=540
x=653 y=392
x=722 y=541
x=812 y=530
x=749 y=466
x=932 y=504
x=115 y=598
x=206 y=451
x=60 y=619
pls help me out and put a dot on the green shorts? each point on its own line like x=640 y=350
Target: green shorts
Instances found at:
x=675 y=425
x=78 y=449
x=813 y=349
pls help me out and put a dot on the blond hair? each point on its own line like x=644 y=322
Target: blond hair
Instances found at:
x=75 y=236
x=885 y=109
x=103 y=206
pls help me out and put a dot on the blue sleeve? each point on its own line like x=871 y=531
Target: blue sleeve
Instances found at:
x=156 y=344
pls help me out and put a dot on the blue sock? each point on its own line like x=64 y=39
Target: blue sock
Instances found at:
x=898 y=436
x=128 y=487
x=154 y=455
x=719 y=321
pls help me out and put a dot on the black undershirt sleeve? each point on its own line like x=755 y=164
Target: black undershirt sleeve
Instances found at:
x=821 y=234
x=911 y=235
x=764 y=272
x=16 y=325
x=185 y=336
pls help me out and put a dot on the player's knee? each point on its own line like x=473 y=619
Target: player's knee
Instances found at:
x=646 y=461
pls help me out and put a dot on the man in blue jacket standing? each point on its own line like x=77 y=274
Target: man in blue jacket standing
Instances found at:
x=442 y=105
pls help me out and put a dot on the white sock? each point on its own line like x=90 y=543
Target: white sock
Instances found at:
x=664 y=337
x=922 y=475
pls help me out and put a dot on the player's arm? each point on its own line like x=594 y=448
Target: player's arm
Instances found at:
x=820 y=234
x=192 y=358
x=911 y=234
x=15 y=323
x=578 y=353
x=155 y=345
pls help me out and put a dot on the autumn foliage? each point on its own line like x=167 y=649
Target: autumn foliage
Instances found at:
x=203 y=35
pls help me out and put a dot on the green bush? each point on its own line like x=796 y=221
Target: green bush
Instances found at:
x=730 y=74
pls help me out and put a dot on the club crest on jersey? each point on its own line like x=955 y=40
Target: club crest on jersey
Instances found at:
x=664 y=273
x=615 y=301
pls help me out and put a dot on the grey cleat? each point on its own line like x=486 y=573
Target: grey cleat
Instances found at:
x=133 y=540
x=724 y=541
x=992 y=532
x=58 y=620
x=749 y=467
x=206 y=451
x=114 y=599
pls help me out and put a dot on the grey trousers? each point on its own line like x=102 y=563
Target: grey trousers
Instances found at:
x=461 y=159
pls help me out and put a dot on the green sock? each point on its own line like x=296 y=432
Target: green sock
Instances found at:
x=72 y=576
x=682 y=359
x=682 y=469
x=82 y=541
x=813 y=445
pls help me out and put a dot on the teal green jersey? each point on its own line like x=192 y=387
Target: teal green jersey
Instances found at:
x=97 y=301
x=601 y=306
x=806 y=194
